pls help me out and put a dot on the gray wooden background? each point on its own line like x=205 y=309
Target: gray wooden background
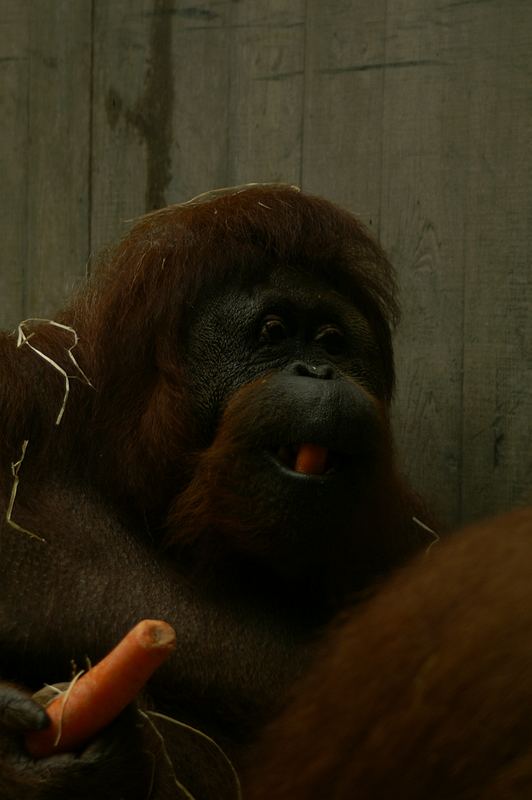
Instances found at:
x=415 y=114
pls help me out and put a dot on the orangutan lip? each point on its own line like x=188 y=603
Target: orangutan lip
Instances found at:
x=329 y=460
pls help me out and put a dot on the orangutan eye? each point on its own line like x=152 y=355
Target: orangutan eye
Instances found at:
x=331 y=339
x=273 y=331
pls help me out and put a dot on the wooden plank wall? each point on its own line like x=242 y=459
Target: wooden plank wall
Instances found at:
x=416 y=114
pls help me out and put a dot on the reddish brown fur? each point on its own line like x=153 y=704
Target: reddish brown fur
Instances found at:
x=425 y=693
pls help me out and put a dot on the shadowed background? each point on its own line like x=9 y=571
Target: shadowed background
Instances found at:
x=414 y=114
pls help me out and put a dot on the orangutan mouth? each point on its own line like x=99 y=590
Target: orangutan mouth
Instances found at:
x=308 y=458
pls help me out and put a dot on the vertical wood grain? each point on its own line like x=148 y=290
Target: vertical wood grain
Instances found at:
x=201 y=53
x=343 y=130
x=120 y=113
x=422 y=227
x=497 y=263
x=13 y=159
x=266 y=92
x=58 y=151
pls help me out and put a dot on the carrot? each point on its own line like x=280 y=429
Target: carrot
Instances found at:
x=311 y=459
x=104 y=691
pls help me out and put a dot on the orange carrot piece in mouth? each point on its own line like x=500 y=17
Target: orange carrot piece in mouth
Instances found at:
x=311 y=459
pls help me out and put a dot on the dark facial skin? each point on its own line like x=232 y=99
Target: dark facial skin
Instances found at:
x=290 y=318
